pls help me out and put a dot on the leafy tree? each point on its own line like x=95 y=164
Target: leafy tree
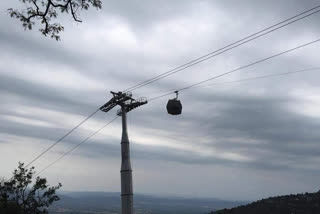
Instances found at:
x=24 y=194
x=45 y=11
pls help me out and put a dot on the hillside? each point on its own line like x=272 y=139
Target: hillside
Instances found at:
x=308 y=203
x=107 y=203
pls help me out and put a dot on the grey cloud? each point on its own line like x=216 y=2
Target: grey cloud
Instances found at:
x=250 y=119
x=279 y=133
x=39 y=95
x=143 y=14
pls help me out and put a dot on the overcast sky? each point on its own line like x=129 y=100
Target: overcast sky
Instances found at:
x=237 y=141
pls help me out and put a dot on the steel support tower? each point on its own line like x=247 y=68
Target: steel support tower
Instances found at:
x=127 y=104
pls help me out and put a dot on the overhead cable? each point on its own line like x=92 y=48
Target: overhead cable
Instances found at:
x=237 y=69
x=76 y=146
x=246 y=79
x=262 y=77
x=231 y=46
x=61 y=138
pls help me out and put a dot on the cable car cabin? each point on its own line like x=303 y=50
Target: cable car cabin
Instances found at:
x=174 y=106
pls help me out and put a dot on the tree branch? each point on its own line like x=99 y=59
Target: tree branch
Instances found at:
x=50 y=12
x=73 y=13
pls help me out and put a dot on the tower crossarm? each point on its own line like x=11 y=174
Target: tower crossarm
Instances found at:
x=119 y=98
x=134 y=104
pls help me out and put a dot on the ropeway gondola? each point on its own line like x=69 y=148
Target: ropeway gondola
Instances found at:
x=174 y=106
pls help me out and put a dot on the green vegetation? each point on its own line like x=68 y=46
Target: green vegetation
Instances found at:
x=308 y=203
x=24 y=194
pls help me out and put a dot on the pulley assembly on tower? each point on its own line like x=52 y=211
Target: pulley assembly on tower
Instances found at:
x=174 y=106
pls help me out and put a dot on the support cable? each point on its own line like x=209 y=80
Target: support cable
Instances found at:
x=228 y=47
x=237 y=69
x=245 y=80
x=76 y=146
x=64 y=136
x=261 y=77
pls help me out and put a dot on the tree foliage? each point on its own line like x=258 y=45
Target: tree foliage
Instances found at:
x=45 y=11
x=24 y=194
x=308 y=203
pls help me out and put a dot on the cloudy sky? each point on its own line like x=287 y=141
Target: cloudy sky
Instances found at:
x=237 y=141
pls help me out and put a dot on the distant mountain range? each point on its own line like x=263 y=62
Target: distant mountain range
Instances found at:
x=308 y=203
x=110 y=203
